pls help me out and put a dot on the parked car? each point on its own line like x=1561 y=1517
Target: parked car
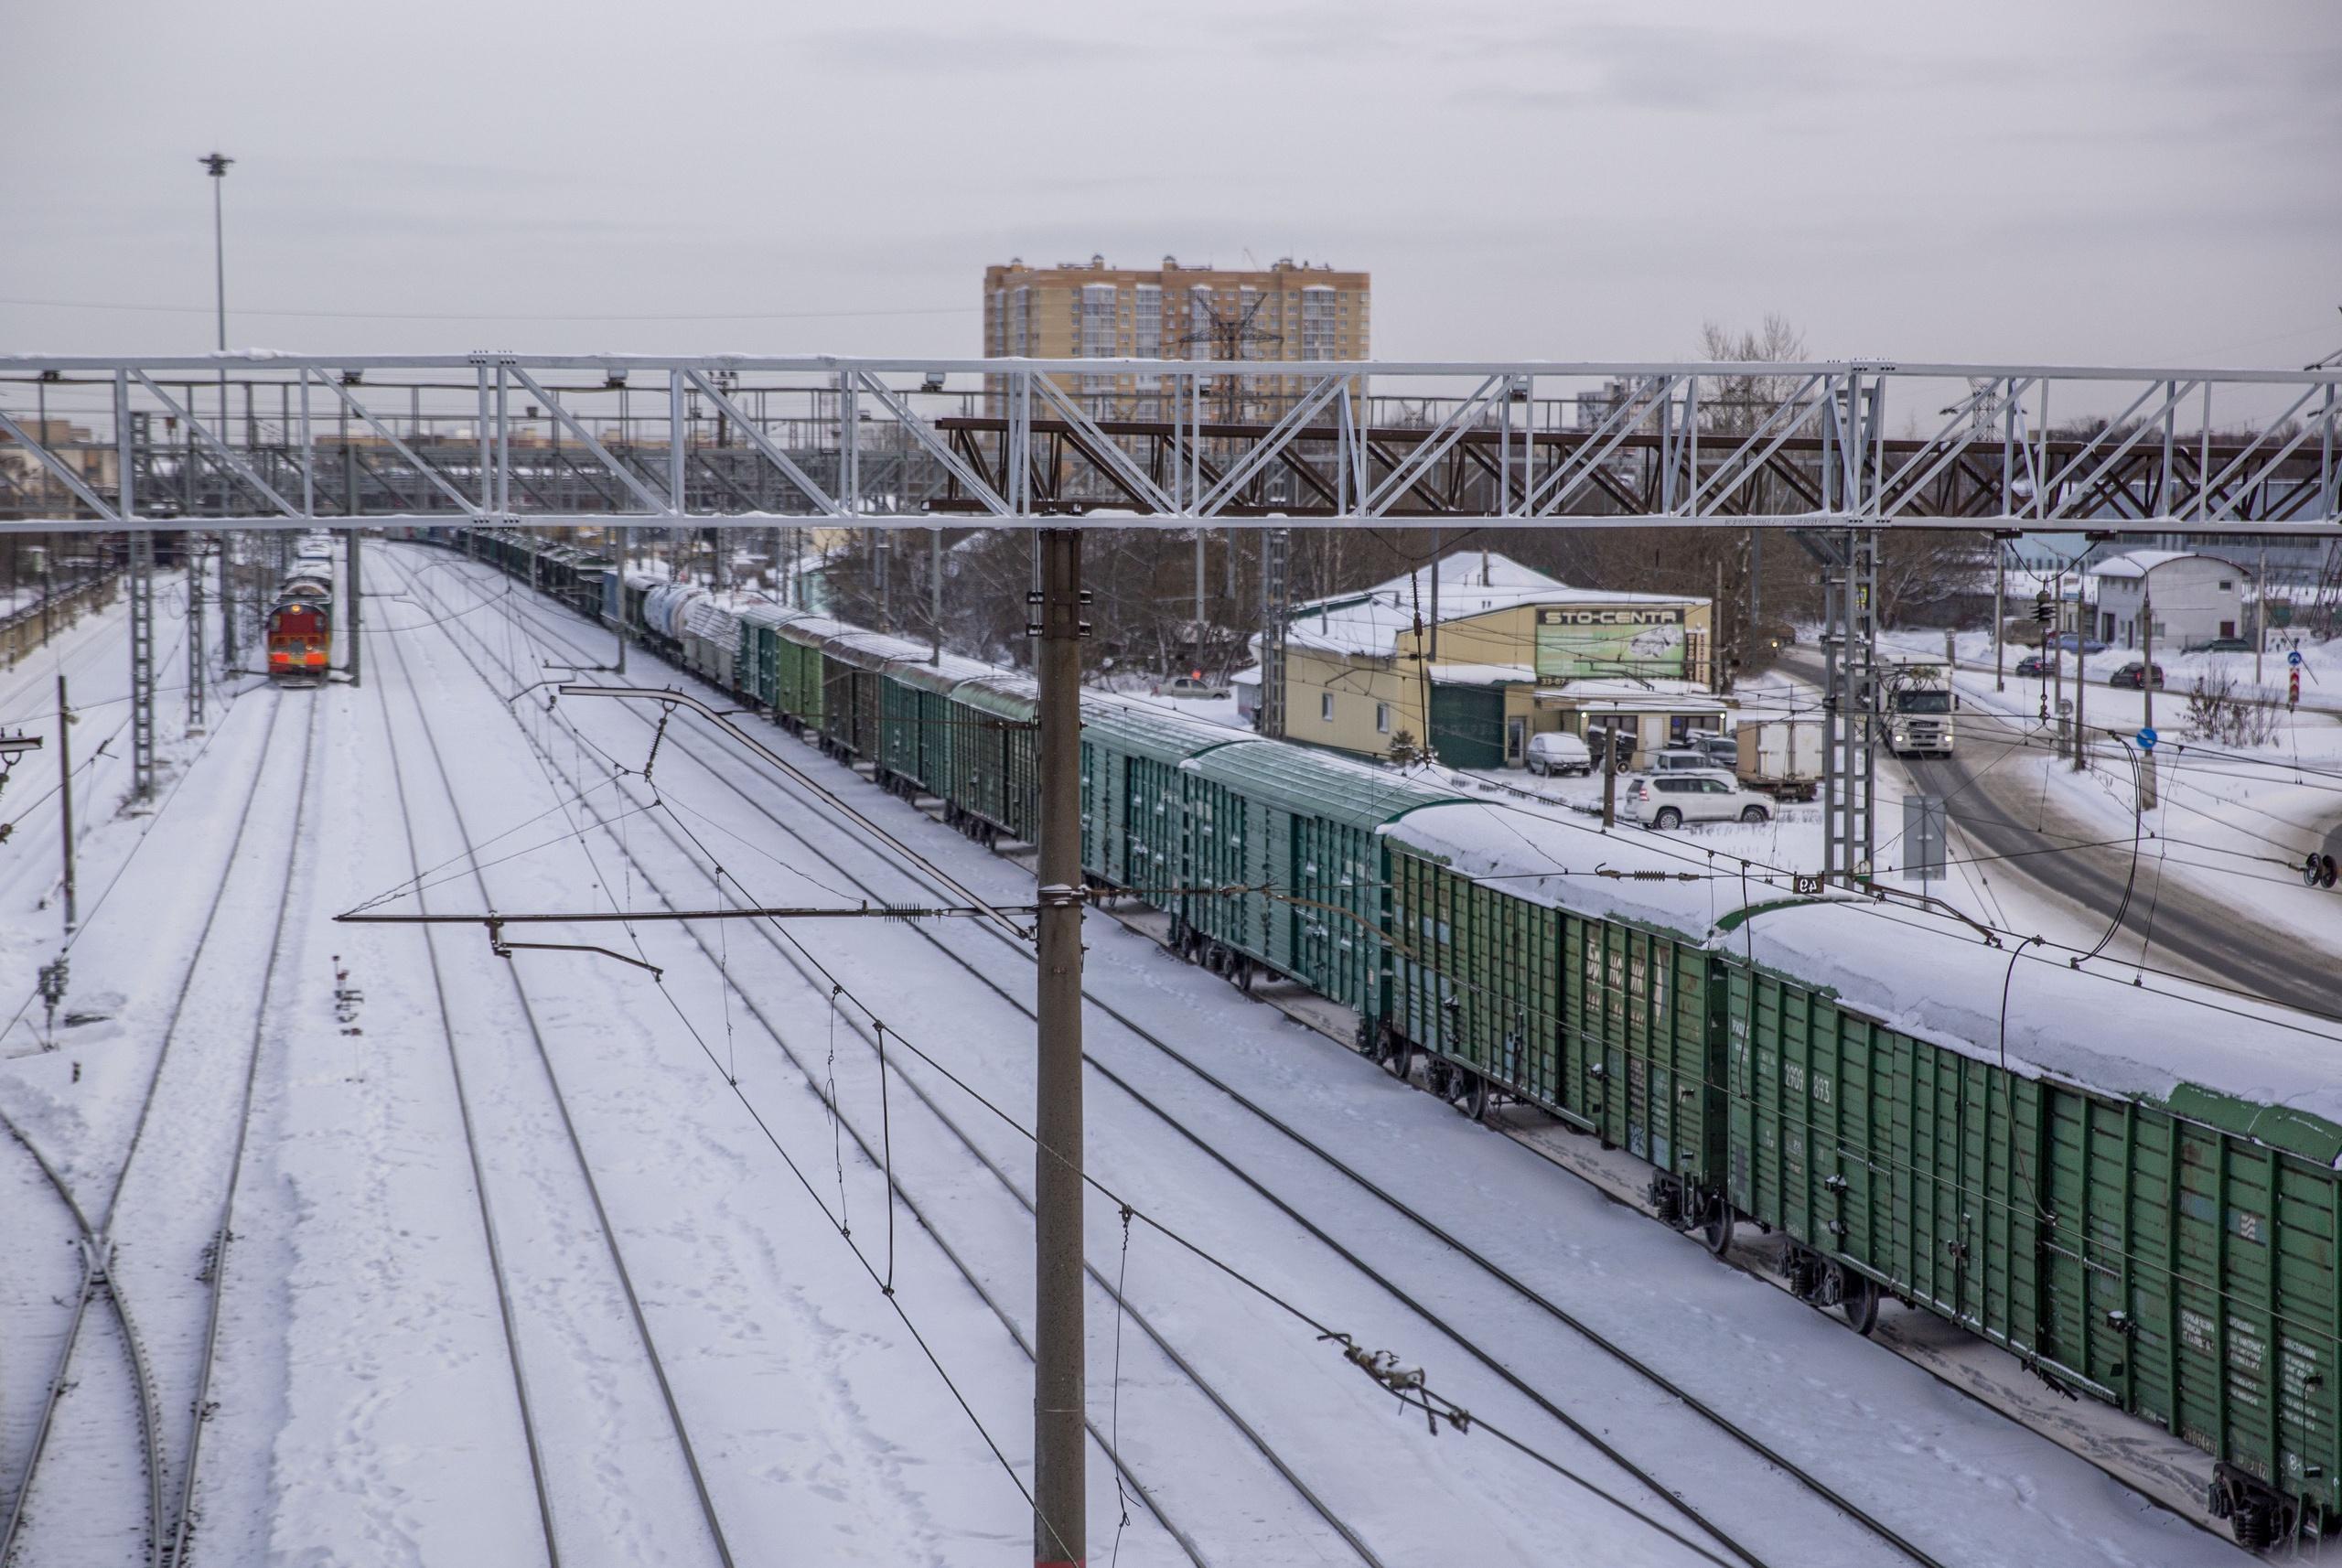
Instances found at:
x=2134 y=675
x=1557 y=751
x=2225 y=644
x=2067 y=639
x=1684 y=759
x=1721 y=749
x=1670 y=800
x=2034 y=665
x=1189 y=686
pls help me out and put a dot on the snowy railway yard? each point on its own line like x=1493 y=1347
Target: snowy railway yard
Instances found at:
x=435 y=1255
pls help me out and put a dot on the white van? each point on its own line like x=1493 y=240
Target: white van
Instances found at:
x=1556 y=751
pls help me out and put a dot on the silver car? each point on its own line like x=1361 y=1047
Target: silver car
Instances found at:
x=1672 y=799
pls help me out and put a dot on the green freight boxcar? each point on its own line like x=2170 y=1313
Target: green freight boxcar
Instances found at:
x=854 y=671
x=1287 y=839
x=995 y=757
x=1132 y=810
x=757 y=663
x=1518 y=987
x=2170 y=1249
x=915 y=722
x=798 y=672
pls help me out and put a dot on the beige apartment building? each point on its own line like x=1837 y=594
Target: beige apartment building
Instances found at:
x=1292 y=310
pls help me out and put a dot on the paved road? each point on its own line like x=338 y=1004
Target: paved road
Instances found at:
x=2178 y=924
x=1997 y=803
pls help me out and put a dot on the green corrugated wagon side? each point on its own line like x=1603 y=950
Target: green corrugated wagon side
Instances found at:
x=995 y=772
x=2179 y=1261
x=1132 y=801
x=1315 y=900
x=914 y=716
x=799 y=692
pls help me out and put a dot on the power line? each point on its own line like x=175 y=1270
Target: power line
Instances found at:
x=499 y=315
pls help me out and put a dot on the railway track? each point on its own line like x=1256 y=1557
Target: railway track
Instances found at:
x=1876 y=1528
x=573 y=1152
x=148 y=1244
x=809 y=1076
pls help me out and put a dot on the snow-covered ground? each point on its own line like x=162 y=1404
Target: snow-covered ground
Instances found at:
x=379 y=1399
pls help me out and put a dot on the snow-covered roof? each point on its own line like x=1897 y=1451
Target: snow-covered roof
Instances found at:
x=1471 y=583
x=1444 y=674
x=2139 y=562
x=1656 y=695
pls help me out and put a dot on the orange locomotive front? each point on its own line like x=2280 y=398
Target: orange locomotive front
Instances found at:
x=300 y=641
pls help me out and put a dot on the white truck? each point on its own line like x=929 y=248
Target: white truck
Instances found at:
x=1781 y=757
x=1918 y=708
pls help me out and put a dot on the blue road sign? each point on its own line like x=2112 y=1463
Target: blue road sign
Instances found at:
x=2147 y=738
x=2294 y=657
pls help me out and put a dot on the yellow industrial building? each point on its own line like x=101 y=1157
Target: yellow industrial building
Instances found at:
x=1513 y=652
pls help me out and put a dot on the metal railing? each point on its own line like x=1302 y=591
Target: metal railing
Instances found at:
x=260 y=441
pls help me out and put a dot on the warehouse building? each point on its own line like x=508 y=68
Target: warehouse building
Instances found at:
x=2196 y=598
x=1509 y=652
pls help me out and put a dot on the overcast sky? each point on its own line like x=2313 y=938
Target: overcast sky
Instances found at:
x=2103 y=181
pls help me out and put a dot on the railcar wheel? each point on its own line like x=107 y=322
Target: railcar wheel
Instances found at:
x=1717 y=1232
x=1858 y=1299
x=1476 y=1098
x=1398 y=1057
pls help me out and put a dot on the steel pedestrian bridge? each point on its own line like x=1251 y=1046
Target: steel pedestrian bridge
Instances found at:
x=263 y=440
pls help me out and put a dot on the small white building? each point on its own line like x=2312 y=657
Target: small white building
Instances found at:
x=2195 y=598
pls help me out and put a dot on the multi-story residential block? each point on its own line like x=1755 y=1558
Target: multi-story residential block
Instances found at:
x=1292 y=310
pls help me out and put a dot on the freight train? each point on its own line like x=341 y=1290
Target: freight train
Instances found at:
x=2133 y=1187
x=298 y=631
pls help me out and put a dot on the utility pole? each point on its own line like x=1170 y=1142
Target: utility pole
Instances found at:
x=2081 y=725
x=216 y=164
x=1434 y=654
x=228 y=600
x=935 y=592
x=1059 y=1386
x=1609 y=766
x=2000 y=611
x=65 y=795
x=2057 y=655
x=141 y=664
x=2148 y=649
x=2260 y=619
x=356 y=598
x=190 y=547
x=1199 y=668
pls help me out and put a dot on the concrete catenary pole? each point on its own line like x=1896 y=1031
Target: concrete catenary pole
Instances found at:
x=1058 y=1402
x=2081 y=717
x=357 y=598
x=2260 y=618
x=2000 y=611
x=191 y=551
x=65 y=795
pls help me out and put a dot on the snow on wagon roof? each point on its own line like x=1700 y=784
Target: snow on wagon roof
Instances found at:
x=1925 y=974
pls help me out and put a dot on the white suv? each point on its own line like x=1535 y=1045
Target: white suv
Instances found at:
x=1670 y=800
